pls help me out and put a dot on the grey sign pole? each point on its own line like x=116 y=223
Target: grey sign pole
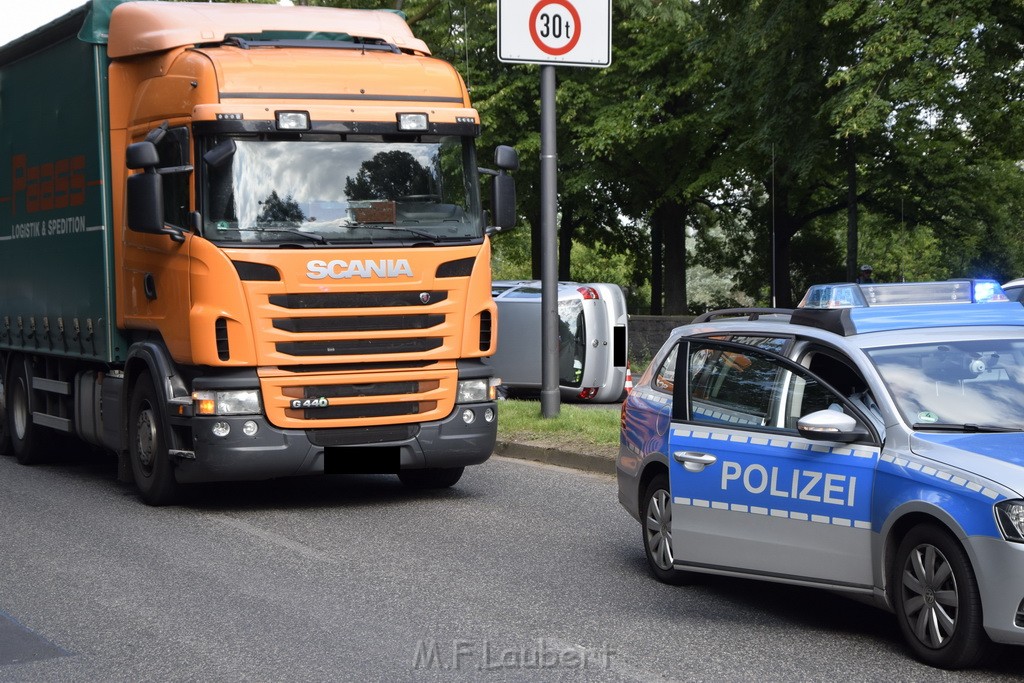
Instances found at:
x=549 y=32
x=549 y=396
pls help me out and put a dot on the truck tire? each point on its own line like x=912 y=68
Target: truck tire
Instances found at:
x=5 y=431
x=152 y=468
x=26 y=441
x=431 y=477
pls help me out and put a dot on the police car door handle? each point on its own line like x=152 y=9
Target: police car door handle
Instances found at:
x=694 y=461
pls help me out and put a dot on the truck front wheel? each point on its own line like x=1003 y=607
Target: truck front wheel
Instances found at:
x=152 y=468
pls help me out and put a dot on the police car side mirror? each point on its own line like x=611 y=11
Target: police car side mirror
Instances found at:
x=831 y=425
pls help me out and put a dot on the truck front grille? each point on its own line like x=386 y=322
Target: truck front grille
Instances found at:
x=355 y=436
x=356 y=347
x=360 y=412
x=358 y=399
x=485 y=331
x=359 y=324
x=357 y=299
x=359 y=327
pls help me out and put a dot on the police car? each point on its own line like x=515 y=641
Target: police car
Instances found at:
x=869 y=441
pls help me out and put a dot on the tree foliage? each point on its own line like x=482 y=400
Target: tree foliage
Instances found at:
x=733 y=137
x=277 y=210
x=389 y=175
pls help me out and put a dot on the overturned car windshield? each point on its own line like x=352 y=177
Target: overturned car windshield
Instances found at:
x=335 y=191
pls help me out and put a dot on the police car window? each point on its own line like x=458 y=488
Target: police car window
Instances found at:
x=665 y=379
x=841 y=374
x=729 y=385
x=844 y=376
x=776 y=344
x=806 y=395
x=974 y=383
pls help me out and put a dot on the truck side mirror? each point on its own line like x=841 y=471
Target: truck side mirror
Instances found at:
x=503 y=190
x=145 y=192
x=503 y=201
x=141 y=155
x=506 y=158
x=220 y=154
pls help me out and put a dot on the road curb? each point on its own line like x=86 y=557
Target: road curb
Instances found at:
x=553 y=456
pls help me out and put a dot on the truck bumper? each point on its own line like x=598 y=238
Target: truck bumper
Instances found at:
x=272 y=453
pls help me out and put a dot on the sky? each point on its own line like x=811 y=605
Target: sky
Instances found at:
x=22 y=16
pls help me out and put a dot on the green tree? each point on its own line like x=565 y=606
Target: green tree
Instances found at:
x=389 y=175
x=276 y=210
x=755 y=127
x=942 y=82
x=640 y=130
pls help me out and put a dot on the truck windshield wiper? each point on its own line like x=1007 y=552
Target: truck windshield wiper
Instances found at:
x=313 y=236
x=398 y=228
x=964 y=428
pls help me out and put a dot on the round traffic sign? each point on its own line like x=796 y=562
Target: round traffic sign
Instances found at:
x=555 y=26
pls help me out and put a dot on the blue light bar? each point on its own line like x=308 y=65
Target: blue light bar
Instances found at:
x=846 y=295
x=851 y=295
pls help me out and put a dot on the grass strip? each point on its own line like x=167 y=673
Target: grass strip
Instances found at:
x=574 y=427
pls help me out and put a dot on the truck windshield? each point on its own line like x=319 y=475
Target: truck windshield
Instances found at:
x=334 y=191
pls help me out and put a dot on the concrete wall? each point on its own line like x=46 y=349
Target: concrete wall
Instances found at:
x=648 y=332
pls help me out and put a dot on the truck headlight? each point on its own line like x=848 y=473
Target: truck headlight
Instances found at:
x=292 y=120
x=242 y=402
x=477 y=390
x=1010 y=515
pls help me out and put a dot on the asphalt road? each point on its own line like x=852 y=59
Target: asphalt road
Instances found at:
x=523 y=572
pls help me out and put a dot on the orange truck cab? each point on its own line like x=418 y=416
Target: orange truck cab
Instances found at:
x=245 y=242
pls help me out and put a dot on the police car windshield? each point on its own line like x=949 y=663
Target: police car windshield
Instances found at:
x=976 y=384
x=358 y=191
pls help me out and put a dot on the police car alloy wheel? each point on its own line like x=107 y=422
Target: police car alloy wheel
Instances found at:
x=936 y=599
x=657 y=531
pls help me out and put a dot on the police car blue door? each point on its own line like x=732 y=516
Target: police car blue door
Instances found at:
x=749 y=492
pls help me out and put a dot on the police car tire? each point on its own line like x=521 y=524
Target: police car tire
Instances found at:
x=655 y=516
x=967 y=643
x=152 y=468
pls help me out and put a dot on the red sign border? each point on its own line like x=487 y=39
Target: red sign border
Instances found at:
x=554 y=52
